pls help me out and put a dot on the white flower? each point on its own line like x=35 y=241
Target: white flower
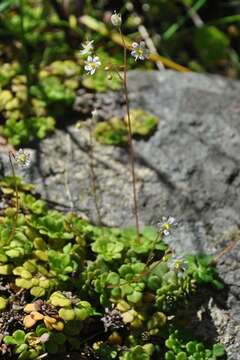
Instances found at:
x=95 y=114
x=22 y=158
x=165 y=225
x=139 y=51
x=116 y=19
x=87 y=48
x=91 y=64
x=177 y=263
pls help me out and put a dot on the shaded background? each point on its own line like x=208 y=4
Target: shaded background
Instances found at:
x=200 y=34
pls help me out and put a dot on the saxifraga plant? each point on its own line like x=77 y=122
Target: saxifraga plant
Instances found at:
x=134 y=280
x=92 y=62
x=22 y=159
x=90 y=291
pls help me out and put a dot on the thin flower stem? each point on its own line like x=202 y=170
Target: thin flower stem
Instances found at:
x=11 y=154
x=115 y=69
x=93 y=175
x=147 y=270
x=130 y=142
x=226 y=250
x=151 y=254
x=118 y=74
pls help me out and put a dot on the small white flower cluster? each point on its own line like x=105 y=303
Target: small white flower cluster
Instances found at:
x=139 y=51
x=92 y=62
x=164 y=226
x=22 y=158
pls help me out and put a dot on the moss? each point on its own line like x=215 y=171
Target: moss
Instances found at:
x=114 y=131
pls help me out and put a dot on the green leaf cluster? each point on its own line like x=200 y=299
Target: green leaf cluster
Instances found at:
x=172 y=289
x=202 y=269
x=138 y=353
x=212 y=45
x=114 y=131
x=73 y=273
x=27 y=345
x=192 y=350
x=71 y=308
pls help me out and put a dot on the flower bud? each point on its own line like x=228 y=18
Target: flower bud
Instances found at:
x=95 y=114
x=116 y=19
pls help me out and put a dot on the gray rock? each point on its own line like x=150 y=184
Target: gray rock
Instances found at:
x=189 y=168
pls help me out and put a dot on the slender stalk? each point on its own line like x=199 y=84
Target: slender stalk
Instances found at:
x=147 y=270
x=93 y=175
x=226 y=250
x=130 y=141
x=17 y=198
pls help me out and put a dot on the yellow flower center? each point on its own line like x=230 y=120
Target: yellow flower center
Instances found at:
x=22 y=158
x=177 y=265
x=140 y=51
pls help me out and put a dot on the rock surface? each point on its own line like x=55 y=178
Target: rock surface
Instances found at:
x=189 y=168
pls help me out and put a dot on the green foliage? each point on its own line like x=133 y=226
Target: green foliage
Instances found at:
x=156 y=322
x=32 y=92
x=55 y=342
x=136 y=353
x=62 y=263
x=172 y=289
x=51 y=90
x=53 y=225
x=27 y=345
x=8 y=185
x=76 y=274
x=71 y=308
x=17 y=338
x=109 y=249
x=201 y=268
x=35 y=206
x=20 y=245
x=41 y=67
x=3 y=303
x=114 y=131
x=24 y=130
x=121 y=285
x=179 y=349
x=212 y=45
x=34 y=277
x=100 y=81
x=7 y=72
